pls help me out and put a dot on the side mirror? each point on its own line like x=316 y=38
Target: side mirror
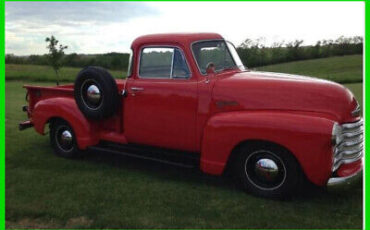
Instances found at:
x=210 y=68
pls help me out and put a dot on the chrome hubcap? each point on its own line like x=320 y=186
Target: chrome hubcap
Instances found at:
x=66 y=138
x=93 y=94
x=266 y=169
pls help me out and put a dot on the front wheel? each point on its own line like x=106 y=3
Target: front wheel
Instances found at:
x=63 y=139
x=268 y=170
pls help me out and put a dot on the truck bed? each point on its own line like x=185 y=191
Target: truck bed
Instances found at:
x=111 y=129
x=36 y=93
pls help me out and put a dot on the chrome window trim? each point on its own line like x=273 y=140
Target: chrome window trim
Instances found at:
x=208 y=40
x=227 y=41
x=130 y=63
x=172 y=59
x=161 y=78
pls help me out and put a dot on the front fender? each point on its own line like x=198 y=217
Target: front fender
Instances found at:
x=307 y=137
x=65 y=108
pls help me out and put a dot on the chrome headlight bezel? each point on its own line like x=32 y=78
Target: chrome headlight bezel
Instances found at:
x=357 y=110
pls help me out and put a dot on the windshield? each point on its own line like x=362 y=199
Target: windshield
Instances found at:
x=223 y=55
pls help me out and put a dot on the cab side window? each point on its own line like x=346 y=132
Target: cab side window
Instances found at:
x=163 y=62
x=156 y=62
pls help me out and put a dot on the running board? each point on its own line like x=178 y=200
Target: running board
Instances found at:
x=164 y=156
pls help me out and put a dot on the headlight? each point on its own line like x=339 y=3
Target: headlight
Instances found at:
x=356 y=111
x=336 y=134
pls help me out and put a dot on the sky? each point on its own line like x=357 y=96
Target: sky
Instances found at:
x=101 y=27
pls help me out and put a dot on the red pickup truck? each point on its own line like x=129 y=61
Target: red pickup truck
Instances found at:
x=188 y=100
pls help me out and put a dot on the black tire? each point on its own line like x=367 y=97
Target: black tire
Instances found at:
x=250 y=167
x=106 y=102
x=63 y=147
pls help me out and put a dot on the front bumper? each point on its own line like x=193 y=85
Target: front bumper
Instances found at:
x=341 y=183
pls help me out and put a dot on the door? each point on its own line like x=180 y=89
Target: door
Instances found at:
x=161 y=104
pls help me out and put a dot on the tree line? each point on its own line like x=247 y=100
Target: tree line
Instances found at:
x=253 y=53
x=114 y=61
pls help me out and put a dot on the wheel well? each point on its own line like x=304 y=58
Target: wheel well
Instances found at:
x=236 y=150
x=54 y=119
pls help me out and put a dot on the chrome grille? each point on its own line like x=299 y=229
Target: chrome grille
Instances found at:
x=350 y=149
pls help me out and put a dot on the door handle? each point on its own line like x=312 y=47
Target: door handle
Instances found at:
x=135 y=89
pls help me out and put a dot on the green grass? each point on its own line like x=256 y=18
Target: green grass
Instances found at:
x=46 y=73
x=108 y=191
x=344 y=69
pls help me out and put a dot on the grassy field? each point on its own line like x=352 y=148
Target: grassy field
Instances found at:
x=110 y=191
x=345 y=69
x=45 y=73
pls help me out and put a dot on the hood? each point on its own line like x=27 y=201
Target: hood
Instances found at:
x=275 y=91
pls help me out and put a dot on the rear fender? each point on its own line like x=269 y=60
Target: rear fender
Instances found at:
x=308 y=138
x=66 y=109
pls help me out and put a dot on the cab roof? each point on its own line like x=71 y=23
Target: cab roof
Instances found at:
x=181 y=38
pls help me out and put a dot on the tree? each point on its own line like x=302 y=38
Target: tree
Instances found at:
x=55 y=54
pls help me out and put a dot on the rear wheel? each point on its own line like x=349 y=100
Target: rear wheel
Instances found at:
x=267 y=170
x=63 y=139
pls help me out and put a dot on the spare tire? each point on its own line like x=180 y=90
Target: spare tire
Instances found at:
x=96 y=93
